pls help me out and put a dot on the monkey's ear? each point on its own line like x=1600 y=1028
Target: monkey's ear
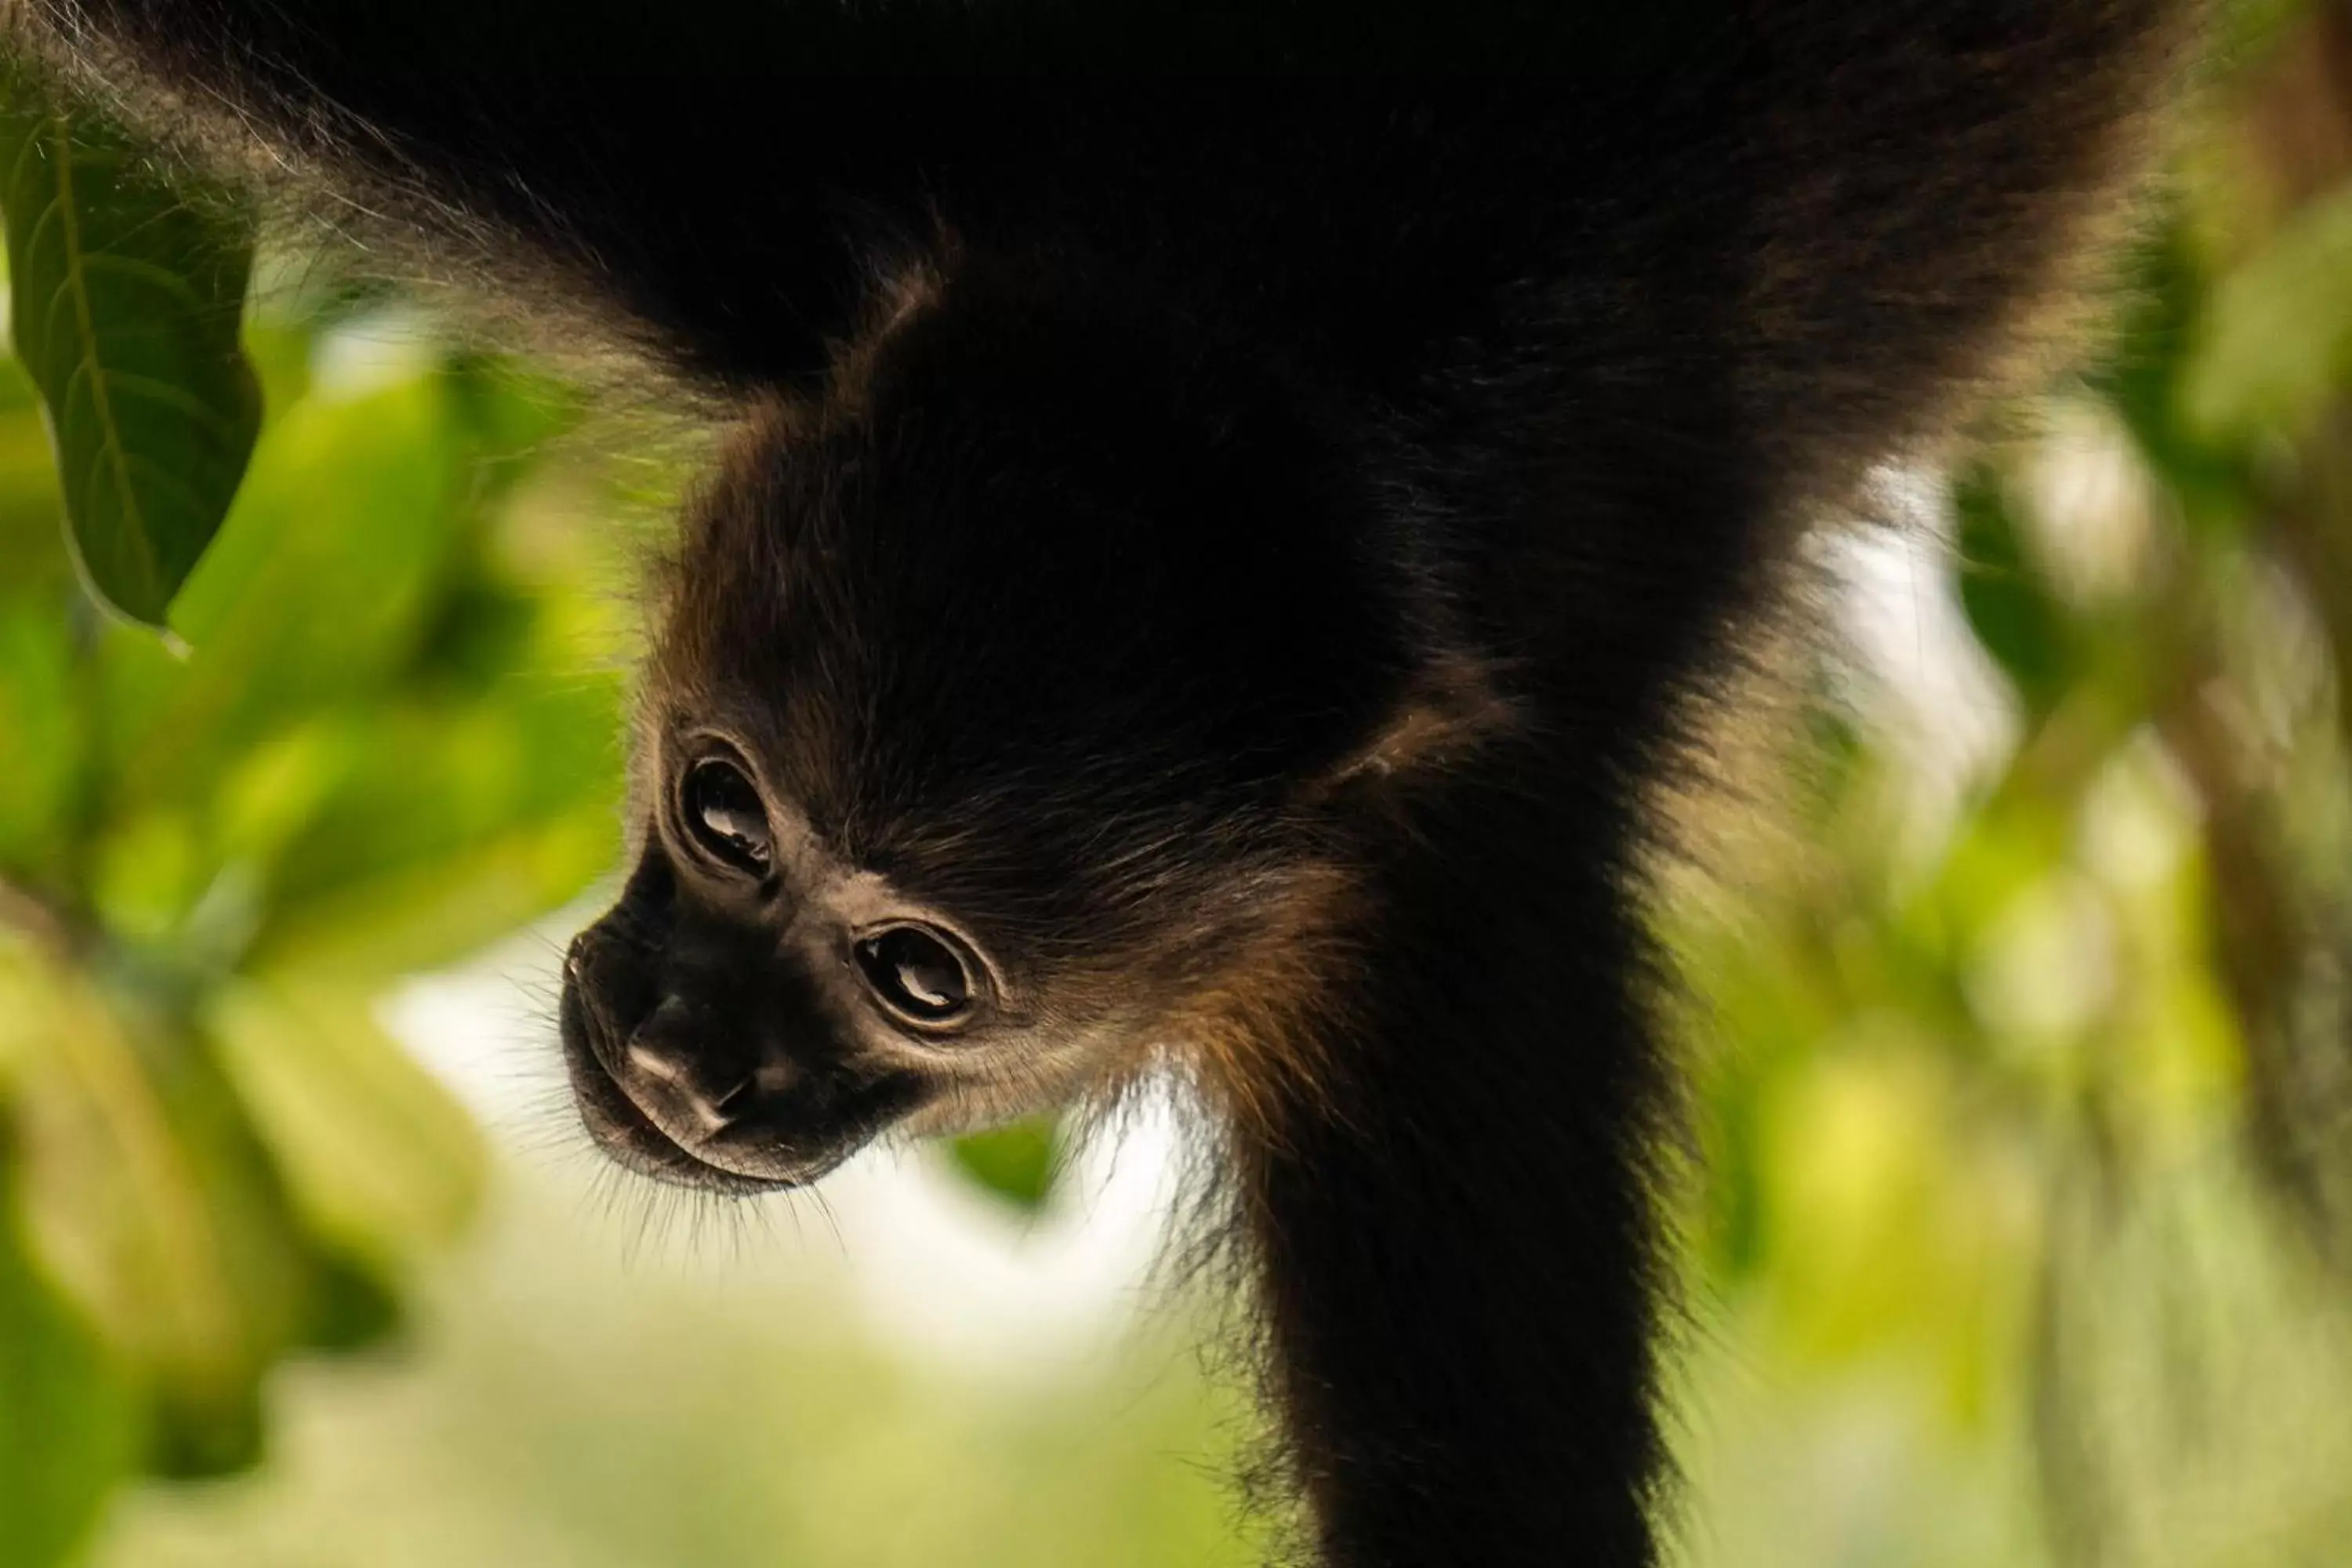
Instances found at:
x=1447 y=713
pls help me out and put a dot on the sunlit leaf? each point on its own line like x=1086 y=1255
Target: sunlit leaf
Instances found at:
x=124 y=301
x=147 y=875
x=2277 y=334
x=69 y=1431
x=448 y=829
x=377 y=1155
x=147 y=1198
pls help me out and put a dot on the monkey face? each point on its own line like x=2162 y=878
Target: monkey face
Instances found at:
x=755 y=1007
x=767 y=996
x=976 y=746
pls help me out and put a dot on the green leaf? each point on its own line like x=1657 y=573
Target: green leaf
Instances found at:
x=2143 y=381
x=378 y=1158
x=2276 y=342
x=353 y=1305
x=440 y=908
x=124 y=303
x=148 y=1200
x=69 y=1431
x=38 y=557
x=40 y=728
x=1017 y=1163
x=448 y=828
x=318 y=592
x=2007 y=604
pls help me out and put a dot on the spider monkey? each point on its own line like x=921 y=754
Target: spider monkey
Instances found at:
x=1225 y=500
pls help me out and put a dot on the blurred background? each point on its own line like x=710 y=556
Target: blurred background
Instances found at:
x=2019 y=1228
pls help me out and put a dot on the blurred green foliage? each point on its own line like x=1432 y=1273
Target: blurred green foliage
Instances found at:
x=561 y=1412
x=380 y=747
x=1017 y=1163
x=2025 y=1071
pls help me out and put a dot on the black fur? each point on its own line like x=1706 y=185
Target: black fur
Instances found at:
x=1230 y=529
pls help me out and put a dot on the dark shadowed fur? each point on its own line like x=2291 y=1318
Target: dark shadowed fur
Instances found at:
x=1231 y=554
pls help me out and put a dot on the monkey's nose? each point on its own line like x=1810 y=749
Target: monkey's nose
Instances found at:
x=685 y=1077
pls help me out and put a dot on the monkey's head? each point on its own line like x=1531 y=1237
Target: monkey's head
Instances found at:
x=990 y=743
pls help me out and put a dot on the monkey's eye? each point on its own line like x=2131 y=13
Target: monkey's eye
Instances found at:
x=918 y=974
x=724 y=814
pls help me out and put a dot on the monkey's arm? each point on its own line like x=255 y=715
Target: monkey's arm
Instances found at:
x=1456 y=1237
x=1454 y=1232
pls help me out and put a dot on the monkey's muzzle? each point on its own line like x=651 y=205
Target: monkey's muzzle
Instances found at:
x=689 y=1094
